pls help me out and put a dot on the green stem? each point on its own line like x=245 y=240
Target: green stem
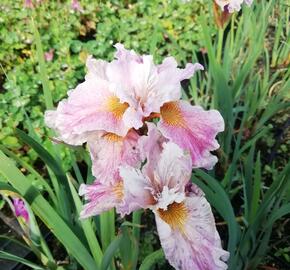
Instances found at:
x=107 y=224
x=220 y=45
x=137 y=220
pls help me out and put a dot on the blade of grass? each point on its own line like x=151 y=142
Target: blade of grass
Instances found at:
x=46 y=213
x=256 y=188
x=61 y=186
x=42 y=68
x=152 y=259
x=137 y=220
x=110 y=252
x=107 y=223
x=25 y=165
x=8 y=256
x=88 y=229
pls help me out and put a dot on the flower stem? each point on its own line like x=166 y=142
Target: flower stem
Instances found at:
x=137 y=220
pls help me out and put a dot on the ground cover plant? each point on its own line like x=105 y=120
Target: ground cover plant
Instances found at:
x=204 y=146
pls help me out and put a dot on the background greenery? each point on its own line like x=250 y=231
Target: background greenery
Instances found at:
x=246 y=77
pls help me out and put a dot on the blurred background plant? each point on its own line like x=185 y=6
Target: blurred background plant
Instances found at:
x=246 y=77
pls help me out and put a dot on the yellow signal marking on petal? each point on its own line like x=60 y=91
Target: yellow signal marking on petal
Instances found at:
x=116 y=107
x=119 y=190
x=175 y=215
x=112 y=137
x=171 y=114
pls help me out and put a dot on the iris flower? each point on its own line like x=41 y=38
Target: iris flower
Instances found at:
x=139 y=163
x=184 y=219
x=20 y=209
x=232 y=5
x=125 y=93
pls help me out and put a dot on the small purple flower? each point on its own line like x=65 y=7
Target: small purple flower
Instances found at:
x=28 y=4
x=49 y=55
x=76 y=6
x=20 y=209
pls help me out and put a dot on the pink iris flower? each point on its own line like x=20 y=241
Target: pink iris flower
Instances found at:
x=119 y=95
x=184 y=219
x=20 y=209
x=141 y=164
x=232 y=5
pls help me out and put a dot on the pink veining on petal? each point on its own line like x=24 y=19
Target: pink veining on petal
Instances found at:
x=159 y=184
x=137 y=193
x=184 y=218
x=173 y=169
x=20 y=209
x=133 y=118
x=100 y=197
x=89 y=108
x=193 y=129
x=192 y=190
x=151 y=147
x=144 y=85
x=191 y=240
x=109 y=151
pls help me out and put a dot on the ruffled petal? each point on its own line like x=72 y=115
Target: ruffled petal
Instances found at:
x=137 y=190
x=100 y=198
x=232 y=5
x=134 y=81
x=144 y=85
x=96 y=68
x=109 y=151
x=150 y=148
x=167 y=85
x=193 y=129
x=126 y=55
x=173 y=169
x=89 y=108
x=189 y=237
x=133 y=118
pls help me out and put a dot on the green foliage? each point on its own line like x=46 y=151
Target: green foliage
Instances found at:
x=245 y=78
x=73 y=36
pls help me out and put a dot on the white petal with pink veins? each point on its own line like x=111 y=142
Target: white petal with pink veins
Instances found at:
x=109 y=151
x=91 y=107
x=137 y=191
x=193 y=243
x=100 y=198
x=193 y=129
x=173 y=168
